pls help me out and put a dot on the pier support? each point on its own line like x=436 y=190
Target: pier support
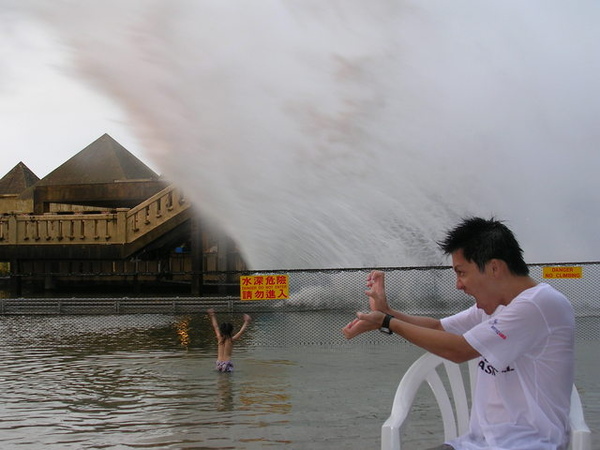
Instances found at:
x=197 y=255
x=16 y=284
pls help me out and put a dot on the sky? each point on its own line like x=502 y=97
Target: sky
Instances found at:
x=49 y=113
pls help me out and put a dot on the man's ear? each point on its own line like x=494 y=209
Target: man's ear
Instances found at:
x=497 y=266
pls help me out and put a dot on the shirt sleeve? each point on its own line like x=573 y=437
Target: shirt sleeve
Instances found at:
x=463 y=321
x=506 y=336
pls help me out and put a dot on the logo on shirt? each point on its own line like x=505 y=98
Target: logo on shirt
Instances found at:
x=491 y=370
x=496 y=330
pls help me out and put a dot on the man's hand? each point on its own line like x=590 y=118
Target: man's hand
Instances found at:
x=357 y=327
x=365 y=322
x=378 y=304
x=374 y=318
x=376 y=292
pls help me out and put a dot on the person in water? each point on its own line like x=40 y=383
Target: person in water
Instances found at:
x=225 y=340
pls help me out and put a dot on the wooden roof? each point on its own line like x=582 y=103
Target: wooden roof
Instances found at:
x=103 y=161
x=17 y=180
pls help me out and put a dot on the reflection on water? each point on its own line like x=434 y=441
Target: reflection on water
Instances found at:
x=182 y=326
x=148 y=381
x=225 y=397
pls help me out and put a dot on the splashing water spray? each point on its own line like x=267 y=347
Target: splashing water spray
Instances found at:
x=346 y=133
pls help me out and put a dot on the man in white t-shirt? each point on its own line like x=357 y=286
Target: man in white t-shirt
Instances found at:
x=521 y=332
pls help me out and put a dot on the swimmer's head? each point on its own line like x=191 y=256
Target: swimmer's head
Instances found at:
x=226 y=329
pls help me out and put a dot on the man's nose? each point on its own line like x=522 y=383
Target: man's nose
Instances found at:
x=459 y=284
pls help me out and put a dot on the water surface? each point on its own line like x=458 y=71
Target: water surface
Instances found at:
x=148 y=381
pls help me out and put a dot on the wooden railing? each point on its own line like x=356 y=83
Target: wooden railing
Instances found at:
x=121 y=227
x=112 y=306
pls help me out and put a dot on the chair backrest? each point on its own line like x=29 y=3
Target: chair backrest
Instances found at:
x=455 y=414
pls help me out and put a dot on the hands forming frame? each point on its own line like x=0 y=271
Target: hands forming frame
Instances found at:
x=378 y=305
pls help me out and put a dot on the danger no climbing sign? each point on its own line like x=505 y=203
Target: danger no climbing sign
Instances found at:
x=264 y=287
x=563 y=272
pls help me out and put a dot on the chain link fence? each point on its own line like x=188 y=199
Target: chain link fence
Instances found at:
x=320 y=303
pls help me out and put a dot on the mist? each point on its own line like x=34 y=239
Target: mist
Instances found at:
x=345 y=133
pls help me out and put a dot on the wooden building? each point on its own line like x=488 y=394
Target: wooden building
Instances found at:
x=105 y=220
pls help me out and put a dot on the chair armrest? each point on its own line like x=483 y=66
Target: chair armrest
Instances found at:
x=581 y=436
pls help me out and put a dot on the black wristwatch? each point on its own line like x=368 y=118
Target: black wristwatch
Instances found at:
x=385 y=326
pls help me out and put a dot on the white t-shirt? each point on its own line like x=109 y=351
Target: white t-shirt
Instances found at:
x=523 y=391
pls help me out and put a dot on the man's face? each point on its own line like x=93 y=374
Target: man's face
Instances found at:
x=475 y=283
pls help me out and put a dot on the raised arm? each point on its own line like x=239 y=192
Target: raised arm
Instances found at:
x=247 y=320
x=426 y=332
x=453 y=347
x=213 y=321
x=378 y=302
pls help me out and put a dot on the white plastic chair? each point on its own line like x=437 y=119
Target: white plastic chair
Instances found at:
x=425 y=369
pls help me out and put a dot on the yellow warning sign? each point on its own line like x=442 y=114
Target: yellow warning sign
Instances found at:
x=264 y=287
x=563 y=272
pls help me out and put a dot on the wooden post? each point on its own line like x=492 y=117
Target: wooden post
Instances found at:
x=197 y=255
x=223 y=263
x=16 y=283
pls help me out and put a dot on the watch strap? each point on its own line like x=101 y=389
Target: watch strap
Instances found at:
x=385 y=325
x=386 y=321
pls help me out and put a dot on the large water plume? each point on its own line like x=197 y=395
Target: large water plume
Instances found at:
x=351 y=133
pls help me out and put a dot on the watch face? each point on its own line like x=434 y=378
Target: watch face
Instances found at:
x=385 y=330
